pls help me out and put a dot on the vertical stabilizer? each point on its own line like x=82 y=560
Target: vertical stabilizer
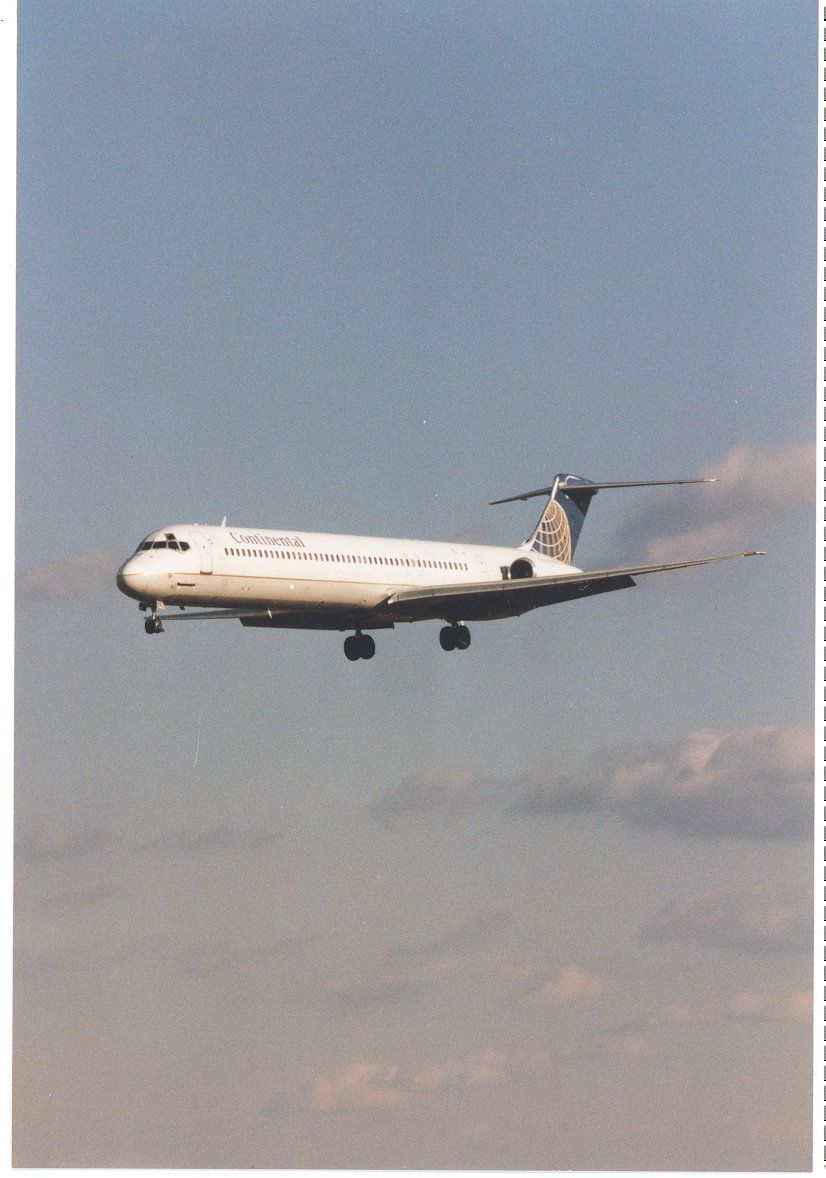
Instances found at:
x=560 y=524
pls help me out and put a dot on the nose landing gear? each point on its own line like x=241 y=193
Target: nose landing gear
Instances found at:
x=153 y=624
x=359 y=646
x=455 y=637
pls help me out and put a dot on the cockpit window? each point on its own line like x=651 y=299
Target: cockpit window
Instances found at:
x=169 y=542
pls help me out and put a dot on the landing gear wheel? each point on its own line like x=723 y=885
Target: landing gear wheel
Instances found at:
x=359 y=646
x=153 y=626
x=462 y=637
x=447 y=638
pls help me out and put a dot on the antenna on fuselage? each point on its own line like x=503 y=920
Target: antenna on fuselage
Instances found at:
x=224 y=522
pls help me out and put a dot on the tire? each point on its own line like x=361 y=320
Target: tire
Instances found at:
x=351 y=648
x=367 y=646
x=462 y=638
x=447 y=638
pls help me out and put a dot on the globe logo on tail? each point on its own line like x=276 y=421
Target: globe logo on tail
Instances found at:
x=553 y=535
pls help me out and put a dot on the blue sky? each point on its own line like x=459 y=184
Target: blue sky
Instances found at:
x=364 y=268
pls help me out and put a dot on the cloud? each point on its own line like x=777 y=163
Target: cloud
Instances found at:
x=571 y=986
x=463 y=952
x=80 y=897
x=81 y=575
x=357 y=1087
x=185 y=958
x=366 y=1086
x=41 y=846
x=796 y=1007
x=488 y=1067
x=629 y=1045
x=217 y=838
x=752 y=783
x=757 y=488
x=444 y=793
x=745 y=1005
x=746 y=919
x=463 y=937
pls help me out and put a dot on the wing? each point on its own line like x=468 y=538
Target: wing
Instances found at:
x=500 y=599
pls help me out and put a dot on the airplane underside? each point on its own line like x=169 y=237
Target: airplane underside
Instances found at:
x=473 y=604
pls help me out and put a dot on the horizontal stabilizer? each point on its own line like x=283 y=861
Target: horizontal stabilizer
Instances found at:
x=591 y=488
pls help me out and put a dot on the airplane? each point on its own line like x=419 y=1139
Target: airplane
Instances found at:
x=284 y=579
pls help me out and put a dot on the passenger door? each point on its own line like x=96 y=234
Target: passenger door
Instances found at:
x=203 y=544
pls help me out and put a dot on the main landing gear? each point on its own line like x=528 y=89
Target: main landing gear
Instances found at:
x=454 y=637
x=359 y=646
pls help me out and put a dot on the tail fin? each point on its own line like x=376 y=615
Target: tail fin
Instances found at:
x=560 y=524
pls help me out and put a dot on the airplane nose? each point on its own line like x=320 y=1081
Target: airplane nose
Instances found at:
x=131 y=583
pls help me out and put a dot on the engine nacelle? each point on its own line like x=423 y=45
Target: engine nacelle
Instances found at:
x=521 y=569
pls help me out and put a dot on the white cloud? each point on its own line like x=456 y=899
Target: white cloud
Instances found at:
x=757 y=488
x=752 y=783
x=217 y=838
x=630 y=1045
x=446 y=793
x=796 y=1007
x=371 y=1087
x=745 y=919
x=487 y=1067
x=359 y=1087
x=571 y=986
x=468 y=950
x=81 y=575
x=38 y=846
x=744 y=1005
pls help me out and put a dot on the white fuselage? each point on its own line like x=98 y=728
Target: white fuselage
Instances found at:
x=284 y=570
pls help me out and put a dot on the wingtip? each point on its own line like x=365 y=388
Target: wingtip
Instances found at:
x=754 y=553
